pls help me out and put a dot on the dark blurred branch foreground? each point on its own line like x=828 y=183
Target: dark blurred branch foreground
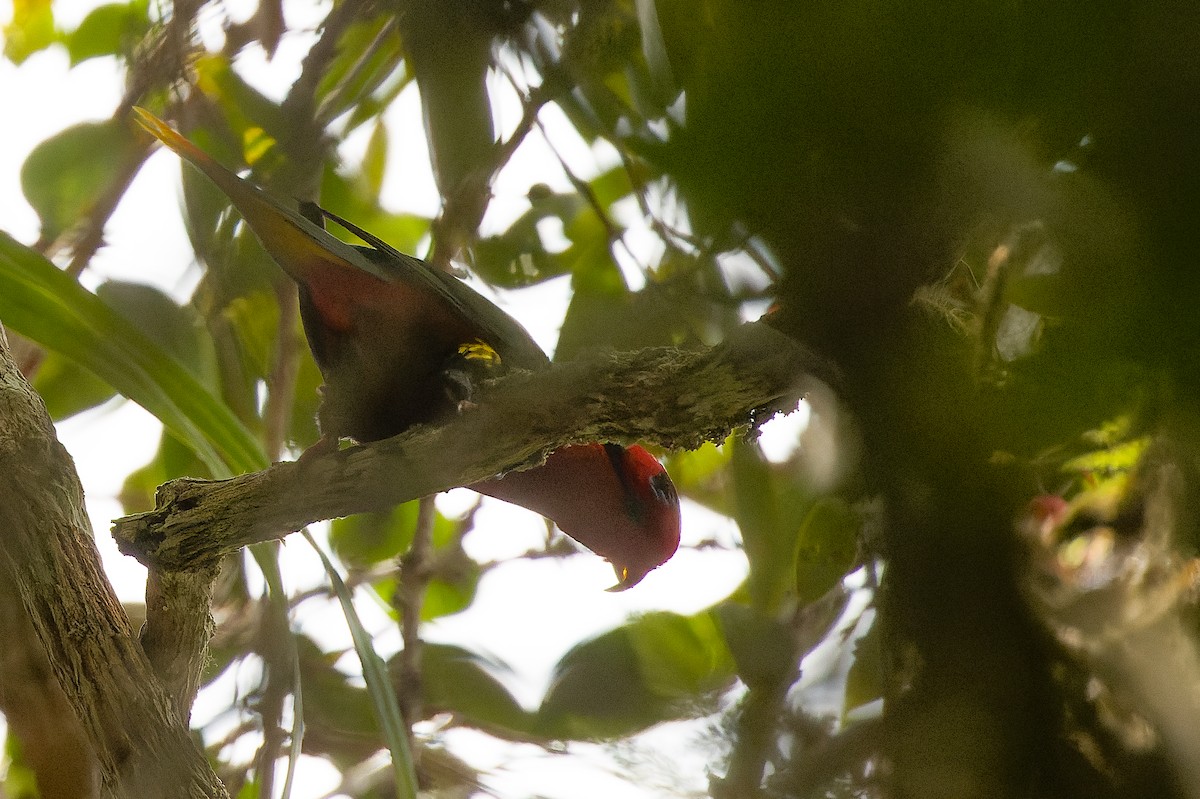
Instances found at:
x=675 y=398
x=49 y=564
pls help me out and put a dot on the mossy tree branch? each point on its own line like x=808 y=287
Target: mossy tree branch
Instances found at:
x=676 y=398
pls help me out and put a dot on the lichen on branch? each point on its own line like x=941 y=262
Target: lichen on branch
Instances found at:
x=677 y=398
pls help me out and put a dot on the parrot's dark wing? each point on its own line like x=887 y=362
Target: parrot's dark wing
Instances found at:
x=306 y=251
x=498 y=329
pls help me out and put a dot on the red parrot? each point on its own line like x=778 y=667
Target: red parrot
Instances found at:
x=397 y=341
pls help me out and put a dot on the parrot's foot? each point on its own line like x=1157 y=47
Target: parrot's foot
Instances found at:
x=459 y=386
x=472 y=363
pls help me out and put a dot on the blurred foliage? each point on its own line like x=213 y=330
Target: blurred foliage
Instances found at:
x=114 y=29
x=31 y=29
x=63 y=180
x=983 y=213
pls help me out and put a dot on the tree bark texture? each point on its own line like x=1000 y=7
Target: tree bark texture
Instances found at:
x=50 y=564
x=672 y=397
x=52 y=741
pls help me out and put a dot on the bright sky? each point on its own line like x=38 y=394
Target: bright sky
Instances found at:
x=527 y=614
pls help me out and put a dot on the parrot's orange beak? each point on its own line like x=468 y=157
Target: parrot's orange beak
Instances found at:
x=626 y=578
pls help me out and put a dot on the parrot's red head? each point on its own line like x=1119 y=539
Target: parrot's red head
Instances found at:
x=652 y=506
x=618 y=502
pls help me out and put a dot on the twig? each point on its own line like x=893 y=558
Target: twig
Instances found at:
x=410 y=595
x=531 y=105
x=327 y=110
x=840 y=754
x=87 y=236
x=281 y=383
x=761 y=259
x=299 y=107
x=275 y=646
x=612 y=232
x=668 y=234
x=160 y=62
x=458 y=221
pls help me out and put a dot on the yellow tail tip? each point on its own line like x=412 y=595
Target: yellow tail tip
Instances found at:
x=151 y=123
x=169 y=136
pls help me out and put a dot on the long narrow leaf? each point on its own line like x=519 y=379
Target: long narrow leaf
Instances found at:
x=43 y=303
x=297 y=745
x=379 y=686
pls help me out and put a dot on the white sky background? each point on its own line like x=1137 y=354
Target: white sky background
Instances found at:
x=526 y=613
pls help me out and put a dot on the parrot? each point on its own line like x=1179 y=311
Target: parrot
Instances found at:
x=399 y=343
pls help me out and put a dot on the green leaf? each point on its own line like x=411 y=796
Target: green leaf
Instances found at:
x=379 y=684
x=864 y=682
x=356 y=84
x=375 y=159
x=678 y=21
x=369 y=538
x=338 y=718
x=352 y=199
x=603 y=312
x=611 y=185
x=1117 y=459
x=762 y=647
x=768 y=537
x=68 y=388
x=600 y=305
x=462 y=682
x=306 y=399
x=598 y=692
x=700 y=475
x=653 y=669
x=447 y=597
x=112 y=29
x=66 y=175
x=45 y=304
x=249 y=790
x=681 y=657
x=516 y=257
x=20 y=779
x=237 y=265
x=246 y=110
x=654 y=49
x=31 y=29
x=449 y=53
x=254 y=317
x=179 y=330
x=827 y=548
x=589 y=258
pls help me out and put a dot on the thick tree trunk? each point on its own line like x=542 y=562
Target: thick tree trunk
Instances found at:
x=53 y=576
